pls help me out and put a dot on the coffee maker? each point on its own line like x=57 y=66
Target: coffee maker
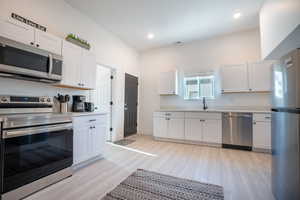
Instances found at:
x=78 y=103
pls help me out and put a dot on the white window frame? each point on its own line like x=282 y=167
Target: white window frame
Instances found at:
x=198 y=77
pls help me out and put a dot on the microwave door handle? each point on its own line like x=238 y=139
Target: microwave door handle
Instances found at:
x=50 y=64
x=36 y=130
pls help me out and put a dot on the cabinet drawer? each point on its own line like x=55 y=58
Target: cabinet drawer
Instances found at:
x=262 y=117
x=169 y=114
x=99 y=119
x=203 y=115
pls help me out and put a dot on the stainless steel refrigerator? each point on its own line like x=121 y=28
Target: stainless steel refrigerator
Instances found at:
x=286 y=127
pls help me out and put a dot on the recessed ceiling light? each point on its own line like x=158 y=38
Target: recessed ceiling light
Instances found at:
x=237 y=15
x=150 y=36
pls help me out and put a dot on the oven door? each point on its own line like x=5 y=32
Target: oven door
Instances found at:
x=35 y=152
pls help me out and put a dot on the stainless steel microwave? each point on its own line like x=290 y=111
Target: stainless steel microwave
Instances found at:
x=21 y=61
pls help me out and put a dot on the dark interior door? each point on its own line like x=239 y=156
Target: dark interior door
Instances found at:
x=130 y=109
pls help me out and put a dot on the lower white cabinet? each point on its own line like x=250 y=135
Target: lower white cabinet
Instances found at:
x=89 y=137
x=197 y=127
x=167 y=127
x=204 y=129
x=262 y=131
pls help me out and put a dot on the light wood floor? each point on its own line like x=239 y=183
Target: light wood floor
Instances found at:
x=244 y=175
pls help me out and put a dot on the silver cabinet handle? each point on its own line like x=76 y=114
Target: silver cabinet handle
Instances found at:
x=36 y=130
x=92 y=120
x=267 y=117
x=50 y=64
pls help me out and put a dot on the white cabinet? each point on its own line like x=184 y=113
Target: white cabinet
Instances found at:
x=71 y=64
x=48 y=42
x=278 y=21
x=193 y=130
x=79 y=67
x=260 y=76
x=175 y=128
x=26 y=34
x=17 y=31
x=234 y=78
x=251 y=77
x=203 y=127
x=160 y=126
x=168 y=125
x=262 y=131
x=88 y=69
x=212 y=131
x=89 y=137
x=168 y=83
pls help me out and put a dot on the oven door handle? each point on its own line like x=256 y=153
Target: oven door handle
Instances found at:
x=36 y=130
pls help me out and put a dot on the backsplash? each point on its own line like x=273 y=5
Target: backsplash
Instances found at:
x=28 y=88
x=222 y=100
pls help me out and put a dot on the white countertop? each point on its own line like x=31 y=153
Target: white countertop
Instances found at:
x=78 y=114
x=219 y=109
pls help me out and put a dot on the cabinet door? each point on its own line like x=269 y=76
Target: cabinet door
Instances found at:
x=212 y=131
x=48 y=42
x=88 y=70
x=168 y=84
x=81 y=140
x=175 y=129
x=260 y=76
x=234 y=78
x=262 y=135
x=71 y=64
x=193 y=130
x=160 y=127
x=17 y=31
x=99 y=128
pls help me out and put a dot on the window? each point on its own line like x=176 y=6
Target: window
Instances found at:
x=197 y=87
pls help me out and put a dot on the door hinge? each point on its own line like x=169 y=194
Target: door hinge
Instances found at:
x=111 y=129
x=111 y=77
x=111 y=103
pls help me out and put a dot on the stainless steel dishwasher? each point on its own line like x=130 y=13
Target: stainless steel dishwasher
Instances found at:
x=237 y=130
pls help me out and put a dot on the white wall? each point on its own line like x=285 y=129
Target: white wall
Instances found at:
x=278 y=19
x=197 y=56
x=61 y=19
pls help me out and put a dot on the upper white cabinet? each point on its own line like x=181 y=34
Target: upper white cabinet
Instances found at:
x=26 y=34
x=168 y=83
x=88 y=69
x=89 y=137
x=251 y=77
x=262 y=131
x=234 y=78
x=79 y=67
x=279 y=27
x=17 y=31
x=48 y=42
x=260 y=76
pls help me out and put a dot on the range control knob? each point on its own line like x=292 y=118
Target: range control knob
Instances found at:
x=4 y=100
x=42 y=99
x=48 y=100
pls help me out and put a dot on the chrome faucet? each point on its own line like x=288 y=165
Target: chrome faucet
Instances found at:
x=204 y=104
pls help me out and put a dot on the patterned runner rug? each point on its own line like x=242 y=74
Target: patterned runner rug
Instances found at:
x=146 y=185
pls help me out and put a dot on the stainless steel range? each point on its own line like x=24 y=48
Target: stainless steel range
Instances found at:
x=36 y=145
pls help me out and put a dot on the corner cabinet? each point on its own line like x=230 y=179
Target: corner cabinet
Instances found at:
x=168 y=83
x=26 y=34
x=79 y=67
x=89 y=137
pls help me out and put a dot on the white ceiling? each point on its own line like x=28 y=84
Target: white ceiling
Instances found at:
x=169 y=20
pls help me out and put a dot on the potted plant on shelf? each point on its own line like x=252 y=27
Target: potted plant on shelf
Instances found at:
x=78 y=41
